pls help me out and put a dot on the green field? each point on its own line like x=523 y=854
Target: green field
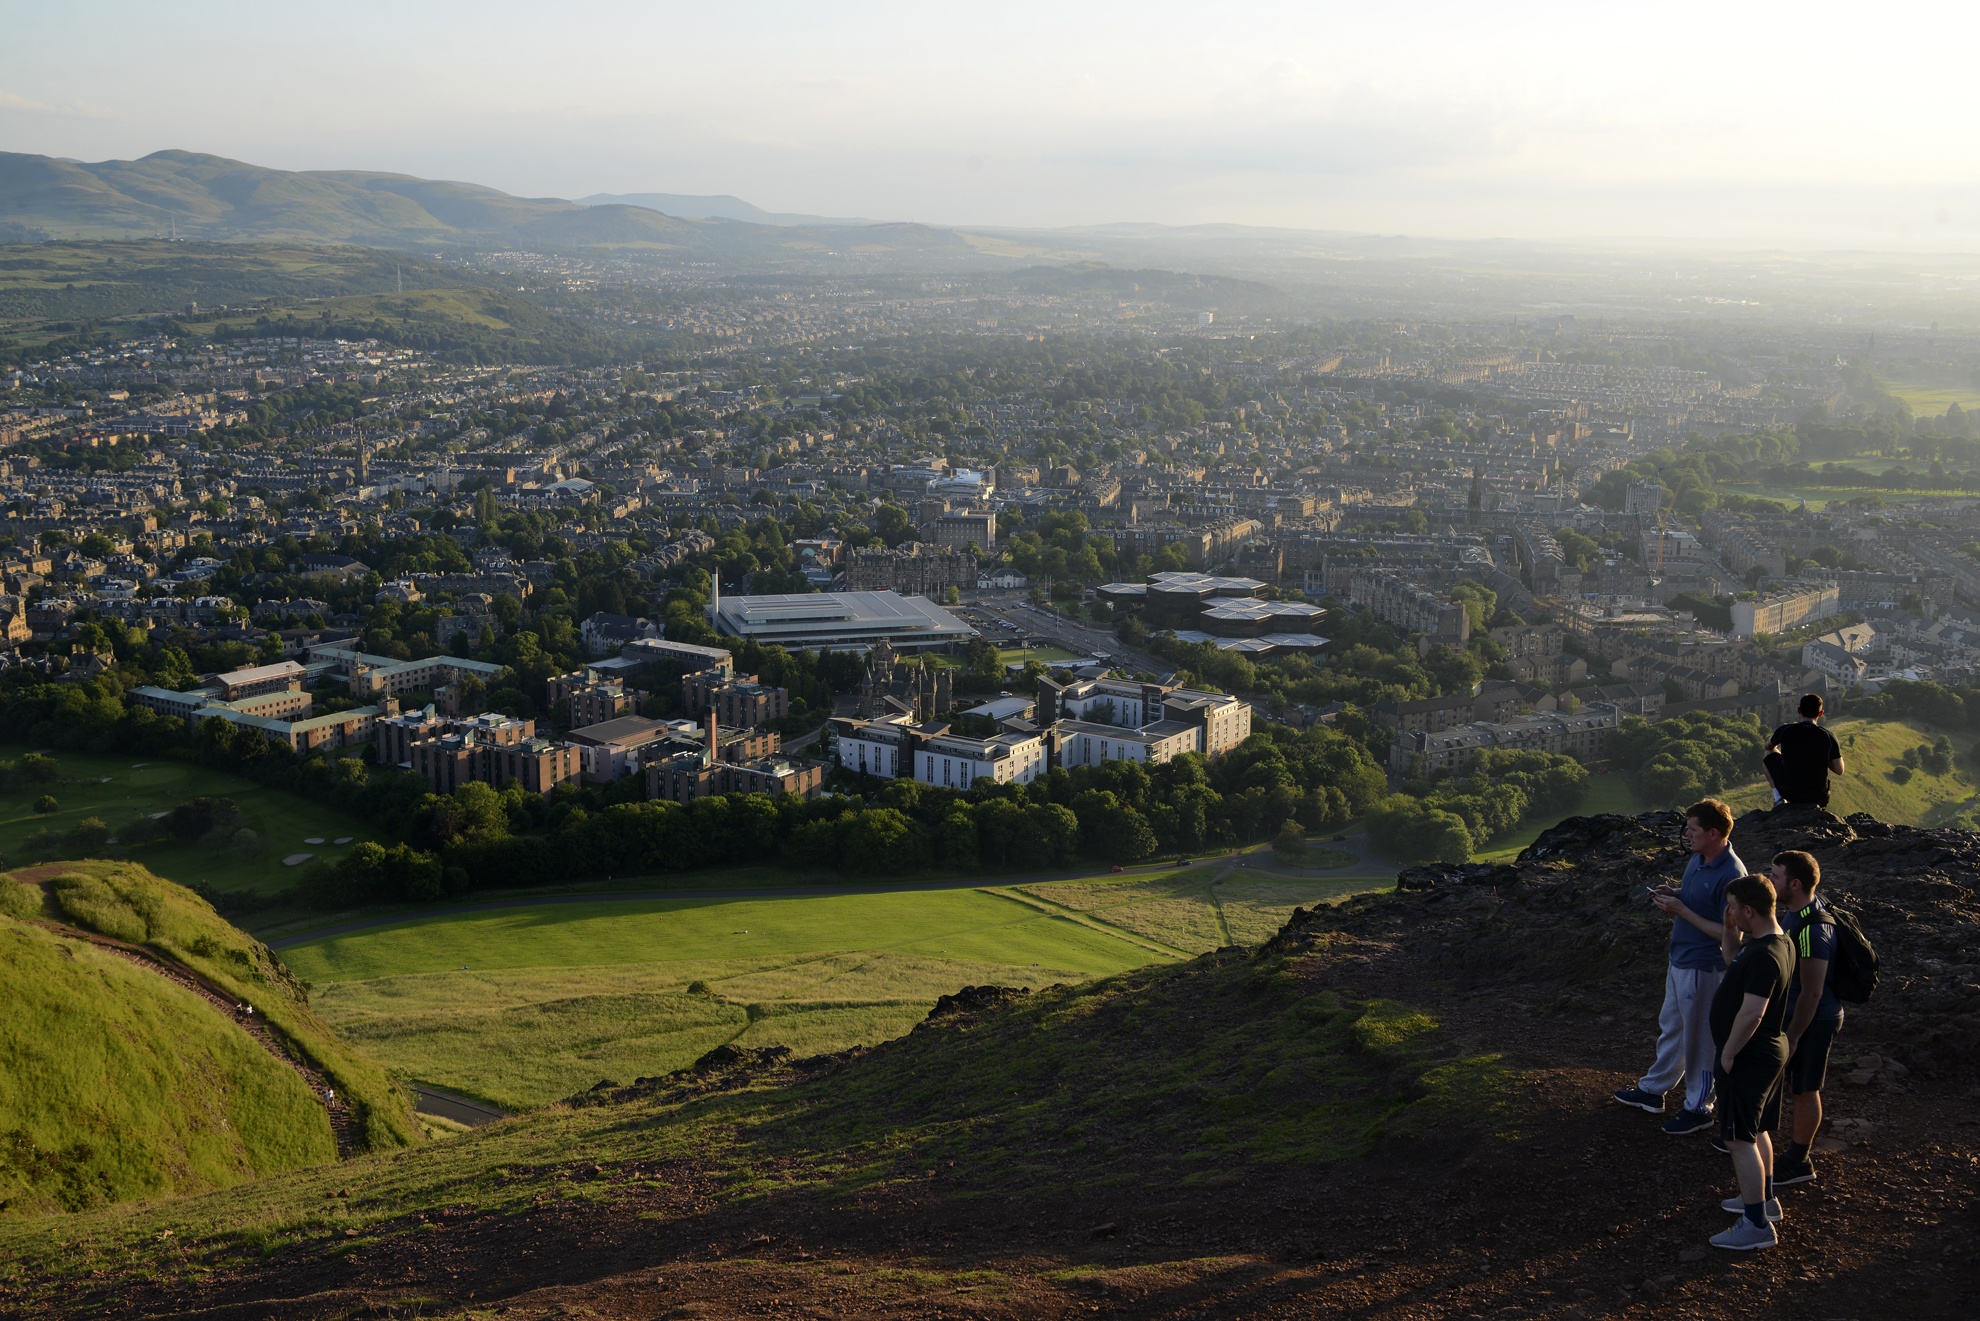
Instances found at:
x=119 y=790
x=1608 y=792
x=1019 y=655
x=521 y=1006
x=1871 y=748
x=1933 y=400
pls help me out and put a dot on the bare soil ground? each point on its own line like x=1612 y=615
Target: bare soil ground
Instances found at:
x=1582 y=1209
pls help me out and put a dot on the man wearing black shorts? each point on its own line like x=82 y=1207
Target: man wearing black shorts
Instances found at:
x=1748 y=1014
x=1801 y=757
x=1815 y=1015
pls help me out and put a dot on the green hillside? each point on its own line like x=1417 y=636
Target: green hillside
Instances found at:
x=117 y=1083
x=128 y=903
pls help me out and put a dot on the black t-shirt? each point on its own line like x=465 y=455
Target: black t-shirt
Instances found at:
x=1763 y=966
x=1806 y=751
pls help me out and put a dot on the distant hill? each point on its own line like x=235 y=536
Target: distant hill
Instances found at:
x=715 y=206
x=124 y=1070
x=189 y=195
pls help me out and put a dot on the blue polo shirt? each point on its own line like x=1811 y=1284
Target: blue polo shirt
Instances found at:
x=1704 y=893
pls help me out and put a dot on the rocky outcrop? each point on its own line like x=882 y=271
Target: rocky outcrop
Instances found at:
x=1572 y=918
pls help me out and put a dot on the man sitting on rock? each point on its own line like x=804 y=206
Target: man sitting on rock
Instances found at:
x=1815 y=1015
x=1748 y=1015
x=1684 y=1038
x=1801 y=757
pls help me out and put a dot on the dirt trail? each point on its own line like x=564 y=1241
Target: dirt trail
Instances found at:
x=252 y=1023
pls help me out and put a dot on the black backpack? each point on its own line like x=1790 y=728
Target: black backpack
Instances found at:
x=1853 y=972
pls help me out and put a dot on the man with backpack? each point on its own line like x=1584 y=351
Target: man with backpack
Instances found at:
x=1829 y=956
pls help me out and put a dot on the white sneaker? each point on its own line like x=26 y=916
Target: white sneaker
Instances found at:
x=1738 y=1207
x=1745 y=1236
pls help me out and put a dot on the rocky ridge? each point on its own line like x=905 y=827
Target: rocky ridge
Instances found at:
x=1571 y=916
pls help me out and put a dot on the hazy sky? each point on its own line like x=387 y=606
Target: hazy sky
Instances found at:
x=1802 y=124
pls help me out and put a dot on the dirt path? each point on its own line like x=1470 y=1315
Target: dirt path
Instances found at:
x=243 y=1016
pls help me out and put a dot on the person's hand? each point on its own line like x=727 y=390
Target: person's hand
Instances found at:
x=1794 y=1044
x=1726 y=1061
x=1667 y=901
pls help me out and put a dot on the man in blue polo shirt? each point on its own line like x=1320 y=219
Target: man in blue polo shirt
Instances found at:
x=1685 y=1053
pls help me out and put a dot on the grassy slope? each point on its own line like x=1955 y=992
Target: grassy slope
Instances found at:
x=527 y=1005
x=1871 y=748
x=128 y=903
x=283 y=820
x=116 y=1083
x=1222 y=1064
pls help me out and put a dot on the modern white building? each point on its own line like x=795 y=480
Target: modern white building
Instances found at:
x=1081 y=744
x=957 y=763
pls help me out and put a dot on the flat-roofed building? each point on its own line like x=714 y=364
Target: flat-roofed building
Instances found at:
x=280 y=677
x=613 y=748
x=739 y=701
x=841 y=620
x=1083 y=744
x=955 y=762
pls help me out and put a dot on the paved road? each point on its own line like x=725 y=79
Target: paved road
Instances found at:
x=433 y=1101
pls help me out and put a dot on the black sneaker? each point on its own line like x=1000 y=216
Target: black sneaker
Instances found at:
x=1788 y=1172
x=1719 y=1145
x=1653 y=1102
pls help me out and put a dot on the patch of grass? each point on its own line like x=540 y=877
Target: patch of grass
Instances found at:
x=523 y=1006
x=1190 y=910
x=1143 y=1082
x=1871 y=749
x=1607 y=792
x=1019 y=655
x=120 y=790
x=126 y=902
x=116 y=1083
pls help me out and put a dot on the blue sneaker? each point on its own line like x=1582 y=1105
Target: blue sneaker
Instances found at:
x=1641 y=1099
x=1686 y=1122
x=1745 y=1236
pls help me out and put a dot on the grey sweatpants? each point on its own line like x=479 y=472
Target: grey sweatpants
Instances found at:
x=1684 y=1037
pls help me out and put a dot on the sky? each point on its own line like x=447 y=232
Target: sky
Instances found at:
x=1807 y=125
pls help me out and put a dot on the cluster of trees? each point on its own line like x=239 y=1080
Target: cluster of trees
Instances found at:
x=1121 y=812
x=1451 y=820
x=1687 y=757
x=1934 y=758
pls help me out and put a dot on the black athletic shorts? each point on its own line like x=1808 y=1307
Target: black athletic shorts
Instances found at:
x=1749 y=1099
x=1810 y=1061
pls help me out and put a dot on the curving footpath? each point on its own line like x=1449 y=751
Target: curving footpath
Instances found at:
x=341 y=1127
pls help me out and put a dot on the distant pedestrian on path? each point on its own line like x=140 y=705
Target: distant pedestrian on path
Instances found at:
x=1815 y=1014
x=1801 y=757
x=1696 y=906
x=1749 y=1013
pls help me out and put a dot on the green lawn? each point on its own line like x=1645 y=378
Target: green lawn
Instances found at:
x=1933 y=400
x=1871 y=749
x=119 y=790
x=1608 y=792
x=526 y=1005
x=1019 y=655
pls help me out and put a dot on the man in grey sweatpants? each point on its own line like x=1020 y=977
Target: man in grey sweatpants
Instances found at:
x=1685 y=1052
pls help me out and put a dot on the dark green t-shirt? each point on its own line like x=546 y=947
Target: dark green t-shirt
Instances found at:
x=1763 y=966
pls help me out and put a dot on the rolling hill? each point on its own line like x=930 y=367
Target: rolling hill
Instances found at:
x=191 y=195
x=127 y=1066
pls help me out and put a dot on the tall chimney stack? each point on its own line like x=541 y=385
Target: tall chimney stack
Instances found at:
x=708 y=753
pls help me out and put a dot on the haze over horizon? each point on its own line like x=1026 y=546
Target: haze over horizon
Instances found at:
x=1762 y=125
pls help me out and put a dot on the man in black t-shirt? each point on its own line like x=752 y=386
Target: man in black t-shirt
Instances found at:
x=1801 y=757
x=1747 y=1017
